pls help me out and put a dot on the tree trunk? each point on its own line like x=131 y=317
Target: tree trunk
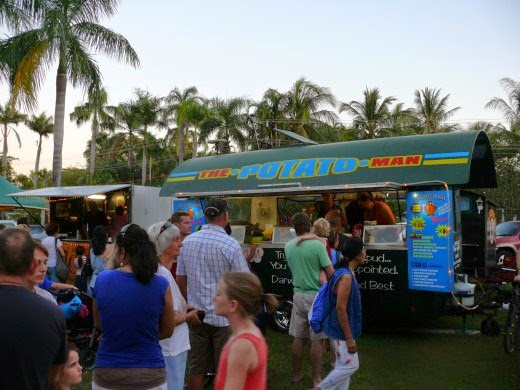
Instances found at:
x=59 y=126
x=93 y=140
x=182 y=132
x=4 y=153
x=37 y=163
x=143 y=165
x=130 y=150
x=194 y=145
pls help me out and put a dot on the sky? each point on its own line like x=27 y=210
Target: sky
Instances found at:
x=234 y=48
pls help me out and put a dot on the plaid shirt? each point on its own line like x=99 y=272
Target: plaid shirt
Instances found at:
x=205 y=256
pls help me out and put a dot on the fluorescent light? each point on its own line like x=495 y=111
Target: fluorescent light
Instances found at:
x=97 y=197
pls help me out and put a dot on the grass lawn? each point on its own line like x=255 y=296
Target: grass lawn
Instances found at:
x=407 y=360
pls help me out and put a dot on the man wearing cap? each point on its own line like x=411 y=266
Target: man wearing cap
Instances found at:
x=305 y=260
x=205 y=257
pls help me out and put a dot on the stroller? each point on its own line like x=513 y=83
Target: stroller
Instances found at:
x=77 y=307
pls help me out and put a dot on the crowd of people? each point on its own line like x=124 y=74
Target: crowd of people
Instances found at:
x=173 y=306
x=156 y=327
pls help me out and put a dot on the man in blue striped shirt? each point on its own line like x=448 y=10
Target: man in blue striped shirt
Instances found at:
x=205 y=256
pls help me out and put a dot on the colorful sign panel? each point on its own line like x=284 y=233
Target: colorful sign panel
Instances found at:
x=430 y=240
x=323 y=166
x=194 y=209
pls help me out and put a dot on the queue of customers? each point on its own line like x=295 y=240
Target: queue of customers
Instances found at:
x=154 y=326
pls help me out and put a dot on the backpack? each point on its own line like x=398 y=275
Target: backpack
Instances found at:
x=87 y=270
x=323 y=303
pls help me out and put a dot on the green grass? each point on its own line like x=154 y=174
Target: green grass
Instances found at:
x=407 y=360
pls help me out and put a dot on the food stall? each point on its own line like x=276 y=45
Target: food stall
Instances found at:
x=69 y=207
x=411 y=267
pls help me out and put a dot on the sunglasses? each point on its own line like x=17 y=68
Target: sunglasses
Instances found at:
x=166 y=225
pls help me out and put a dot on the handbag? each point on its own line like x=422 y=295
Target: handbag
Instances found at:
x=62 y=269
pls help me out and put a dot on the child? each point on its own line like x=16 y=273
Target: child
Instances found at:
x=343 y=323
x=79 y=263
x=71 y=371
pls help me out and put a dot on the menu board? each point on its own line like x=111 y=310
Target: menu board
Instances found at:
x=194 y=209
x=430 y=240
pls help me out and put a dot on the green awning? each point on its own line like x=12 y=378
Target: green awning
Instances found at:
x=6 y=187
x=461 y=159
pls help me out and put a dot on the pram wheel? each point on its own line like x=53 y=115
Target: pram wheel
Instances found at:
x=87 y=358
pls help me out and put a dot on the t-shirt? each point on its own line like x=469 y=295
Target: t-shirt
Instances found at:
x=48 y=242
x=130 y=313
x=306 y=261
x=32 y=338
x=180 y=339
x=45 y=295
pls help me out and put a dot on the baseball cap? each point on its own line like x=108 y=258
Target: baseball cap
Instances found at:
x=215 y=207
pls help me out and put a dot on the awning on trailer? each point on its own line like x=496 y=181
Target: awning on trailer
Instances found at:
x=462 y=159
x=69 y=192
x=7 y=202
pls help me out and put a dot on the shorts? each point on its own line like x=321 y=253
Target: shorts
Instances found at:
x=300 y=326
x=206 y=342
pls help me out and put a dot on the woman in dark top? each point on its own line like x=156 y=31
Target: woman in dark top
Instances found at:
x=134 y=309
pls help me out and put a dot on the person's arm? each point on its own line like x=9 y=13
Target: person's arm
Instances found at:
x=95 y=314
x=182 y=282
x=166 y=322
x=61 y=353
x=62 y=286
x=386 y=213
x=343 y=294
x=325 y=262
x=329 y=270
x=242 y=358
x=306 y=236
x=237 y=261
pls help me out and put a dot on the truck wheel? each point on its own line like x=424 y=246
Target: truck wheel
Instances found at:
x=282 y=316
x=87 y=358
x=508 y=257
x=490 y=327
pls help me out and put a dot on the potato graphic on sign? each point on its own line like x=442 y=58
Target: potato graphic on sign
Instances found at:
x=430 y=208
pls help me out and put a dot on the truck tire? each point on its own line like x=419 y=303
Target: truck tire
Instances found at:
x=282 y=316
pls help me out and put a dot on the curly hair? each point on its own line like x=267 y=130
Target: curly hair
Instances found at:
x=321 y=227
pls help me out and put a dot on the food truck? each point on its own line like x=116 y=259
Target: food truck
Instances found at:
x=69 y=207
x=413 y=269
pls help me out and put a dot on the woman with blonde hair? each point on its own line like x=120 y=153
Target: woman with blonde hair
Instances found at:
x=167 y=239
x=243 y=361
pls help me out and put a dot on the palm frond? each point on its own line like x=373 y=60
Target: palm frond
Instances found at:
x=106 y=41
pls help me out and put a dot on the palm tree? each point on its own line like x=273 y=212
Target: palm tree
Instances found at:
x=510 y=110
x=126 y=118
x=372 y=116
x=67 y=34
x=306 y=105
x=431 y=111
x=8 y=116
x=402 y=120
x=271 y=112
x=95 y=110
x=43 y=126
x=227 y=120
x=186 y=105
x=147 y=108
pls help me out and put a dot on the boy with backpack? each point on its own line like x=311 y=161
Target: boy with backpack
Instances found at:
x=336 y=311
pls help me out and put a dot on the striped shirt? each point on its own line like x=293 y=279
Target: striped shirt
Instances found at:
x=205 y=256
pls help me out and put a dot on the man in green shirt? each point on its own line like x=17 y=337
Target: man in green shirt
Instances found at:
x=306 y=258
